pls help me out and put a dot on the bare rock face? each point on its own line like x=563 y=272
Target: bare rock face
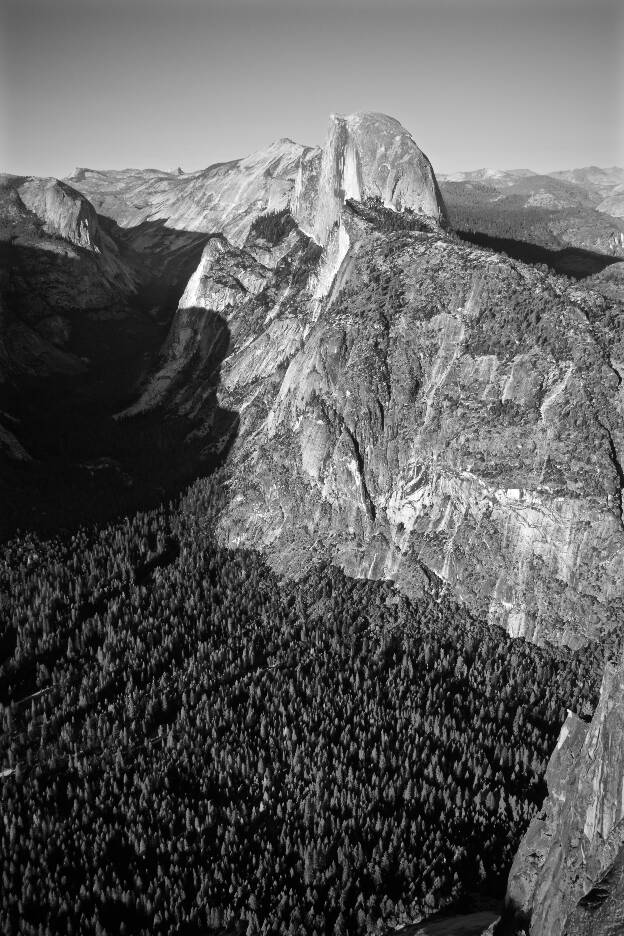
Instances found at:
x=247 y=300
x=62 y=211
x=601 y=911
x=614 y=203
x=567 y=877
x=421 y=422
x=365 y=155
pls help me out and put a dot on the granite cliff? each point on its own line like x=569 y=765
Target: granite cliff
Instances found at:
x=59 y=267
x=439 y=410
x=568 y=875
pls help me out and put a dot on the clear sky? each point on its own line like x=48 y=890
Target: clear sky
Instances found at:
x=162 y=83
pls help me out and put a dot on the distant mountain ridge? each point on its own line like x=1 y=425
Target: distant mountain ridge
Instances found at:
x=589 y=187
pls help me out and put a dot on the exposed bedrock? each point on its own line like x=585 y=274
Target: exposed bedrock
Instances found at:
x=420 y=423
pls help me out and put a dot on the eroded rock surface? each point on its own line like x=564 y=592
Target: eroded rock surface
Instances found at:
x=567 y=877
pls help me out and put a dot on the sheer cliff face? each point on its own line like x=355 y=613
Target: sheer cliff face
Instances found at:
x=61 y=211
x=420 y=422
x=365 y=155
x=568 y=873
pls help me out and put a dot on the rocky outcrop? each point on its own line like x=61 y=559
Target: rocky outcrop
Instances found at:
x=614 y=203
x=567 y=877
x=249 y=297
x=601 y=911
x=62 y=211
x=365 y=155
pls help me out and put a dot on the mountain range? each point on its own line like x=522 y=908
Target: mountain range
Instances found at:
x=387 y=383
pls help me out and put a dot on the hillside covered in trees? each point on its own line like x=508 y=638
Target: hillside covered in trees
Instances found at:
x=191 y=745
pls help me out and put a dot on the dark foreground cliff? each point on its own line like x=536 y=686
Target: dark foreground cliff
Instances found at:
x=567 y=878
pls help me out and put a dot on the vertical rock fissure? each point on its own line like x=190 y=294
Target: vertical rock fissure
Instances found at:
x=360 y=464
x=618 y=468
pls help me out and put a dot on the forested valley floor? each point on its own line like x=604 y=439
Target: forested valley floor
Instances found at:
x=191 y=744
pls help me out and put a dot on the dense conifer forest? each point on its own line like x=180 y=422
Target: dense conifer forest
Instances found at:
x=192 y=745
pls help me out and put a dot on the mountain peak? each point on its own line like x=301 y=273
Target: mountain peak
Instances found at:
x=366 y=154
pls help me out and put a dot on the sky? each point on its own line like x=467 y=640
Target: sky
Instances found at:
x=164 y=83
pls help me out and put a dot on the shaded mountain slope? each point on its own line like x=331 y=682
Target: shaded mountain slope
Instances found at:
x=82 y=312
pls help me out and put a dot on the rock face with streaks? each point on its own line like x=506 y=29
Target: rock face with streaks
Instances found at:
x=567 y=878
x=365 y=156
x=438 y=407
x=425 y=423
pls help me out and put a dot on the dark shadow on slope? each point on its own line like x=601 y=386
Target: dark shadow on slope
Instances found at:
x=86 y=466
x=164 y=259
x=570 y=261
